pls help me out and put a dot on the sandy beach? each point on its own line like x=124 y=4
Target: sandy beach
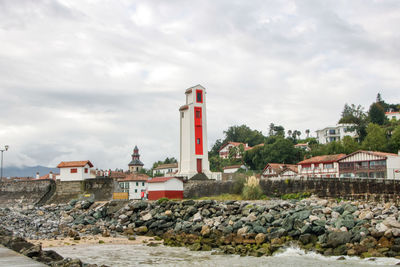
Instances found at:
x=94 y=240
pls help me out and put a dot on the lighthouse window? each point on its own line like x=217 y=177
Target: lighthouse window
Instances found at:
x=198 y=114
x=199 y=96
x=198 y=141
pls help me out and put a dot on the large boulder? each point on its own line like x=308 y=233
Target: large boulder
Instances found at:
x=336 y=239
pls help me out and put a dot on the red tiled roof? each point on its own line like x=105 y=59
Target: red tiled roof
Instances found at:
x=166 y=166
x=116 y=175
x=47 y=176
x=135 y=177
x=66 y=164
x=392 y=112
x=322 y=159
x=160 y=179
x=184 y=107
x=232 y=167
x=235 y=144
x=278 y=167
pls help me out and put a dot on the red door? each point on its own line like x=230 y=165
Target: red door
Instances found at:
x=199 y=167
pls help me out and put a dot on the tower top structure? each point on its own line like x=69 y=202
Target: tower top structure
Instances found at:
x=135 y=165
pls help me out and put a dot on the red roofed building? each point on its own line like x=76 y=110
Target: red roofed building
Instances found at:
x=320 y=166
x=393 y=115
x=370 y=164
x=169 y=187
x=134 y=184
x=279 y=170
x=224 y=150
x=74 y=170
x=51 y=176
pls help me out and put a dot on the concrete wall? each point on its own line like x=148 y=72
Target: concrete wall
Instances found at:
x=346 y=188
x=24 y=192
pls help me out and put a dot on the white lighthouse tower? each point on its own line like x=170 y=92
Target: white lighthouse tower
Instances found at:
x=193 y=135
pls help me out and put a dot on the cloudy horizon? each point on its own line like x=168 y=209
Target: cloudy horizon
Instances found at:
x=92 y=79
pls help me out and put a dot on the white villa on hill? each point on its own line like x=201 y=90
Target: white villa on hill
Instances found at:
x=335 y=133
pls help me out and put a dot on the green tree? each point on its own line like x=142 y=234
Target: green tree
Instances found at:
x=375 y=139
x=215 y=148
x=355 y=115
x=243 y=134
x=376 y=114
x=349 y=145
x=276 y=130
x=394 y=143
x=275 y=150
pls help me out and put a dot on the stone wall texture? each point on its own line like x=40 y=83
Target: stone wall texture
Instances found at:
x=39 y=192
x=345 y=188
x=24 y=192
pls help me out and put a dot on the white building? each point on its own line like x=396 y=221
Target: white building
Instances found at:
x=134 y=184
x=193 y=134
x=169 y=187
x=74 y=170
x=393 y=115
x=166 y=170
x=324 y=166
x=370 y=164
x=336 y=133
x=279 y=170
x=234 y=168
x=225 y=149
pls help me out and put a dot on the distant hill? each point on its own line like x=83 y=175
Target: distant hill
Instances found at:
x=26 y=171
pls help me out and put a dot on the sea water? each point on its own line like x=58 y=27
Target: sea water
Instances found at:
x=142 y=255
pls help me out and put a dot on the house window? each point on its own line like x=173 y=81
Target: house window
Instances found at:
x=328 y=166
x=142 y=183
x=199 y=96
x=86 y=170
x=74 y=170
x=126 y=185
x=137 y=183
x=135 y=190
x=332 y=131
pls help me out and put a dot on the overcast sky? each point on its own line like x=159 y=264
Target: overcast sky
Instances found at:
x=92 y=79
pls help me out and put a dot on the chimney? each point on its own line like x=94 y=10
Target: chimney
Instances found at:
x=51 y=175
x=37 y=175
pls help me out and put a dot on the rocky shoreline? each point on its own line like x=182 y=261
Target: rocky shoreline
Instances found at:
x=255 y=228
x=48 y=257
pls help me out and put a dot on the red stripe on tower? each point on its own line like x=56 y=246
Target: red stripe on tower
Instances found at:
x=198 y=125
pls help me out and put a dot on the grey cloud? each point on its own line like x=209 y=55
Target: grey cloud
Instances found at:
x=83 y=80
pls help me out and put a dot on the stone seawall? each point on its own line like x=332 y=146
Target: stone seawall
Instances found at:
x=101 y=189
x=39 y=192
x=346 y=188
x=24 y=192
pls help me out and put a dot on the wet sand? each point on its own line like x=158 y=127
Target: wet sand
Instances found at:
x=94 y=240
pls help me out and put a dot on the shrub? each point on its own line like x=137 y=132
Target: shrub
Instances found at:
x=296 y=195
x=162 y=200
x=252 y=189
x=238 y=184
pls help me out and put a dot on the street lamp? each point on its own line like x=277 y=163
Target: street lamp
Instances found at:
x=2 y=150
